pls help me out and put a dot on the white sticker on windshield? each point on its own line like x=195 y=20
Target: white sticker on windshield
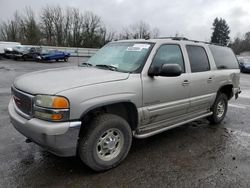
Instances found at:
x=145 y=46
x=138 y=47
x=134 y=49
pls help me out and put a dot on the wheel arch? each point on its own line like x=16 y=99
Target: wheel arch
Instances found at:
x=124 y=109
x=227 y=89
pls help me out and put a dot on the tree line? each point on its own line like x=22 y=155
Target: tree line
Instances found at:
x=220 y=35
x=241 y=44
x=57 y=26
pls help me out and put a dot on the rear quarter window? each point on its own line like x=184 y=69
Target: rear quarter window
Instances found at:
x=224 y=57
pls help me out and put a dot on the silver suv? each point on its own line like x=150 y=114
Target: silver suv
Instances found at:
x=130 y=88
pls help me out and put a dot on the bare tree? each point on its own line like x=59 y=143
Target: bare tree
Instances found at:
x=30 y=31
x=92 y=29
x=241 y=43
x=22 y=28
x=155 y=33
x=47 y=26
x=67 y=27
x=58 y=22
x=77 y=24
x=125 y=34
x=139 y=30
x=9 y=30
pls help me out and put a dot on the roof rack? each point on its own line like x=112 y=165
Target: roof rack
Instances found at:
x=186 y=39
x=173 y=38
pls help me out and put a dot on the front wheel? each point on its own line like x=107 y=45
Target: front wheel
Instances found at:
x=106 y=142
x=25 y=57
x=219 y=109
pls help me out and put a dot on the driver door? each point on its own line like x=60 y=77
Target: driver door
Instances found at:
x=166 y=99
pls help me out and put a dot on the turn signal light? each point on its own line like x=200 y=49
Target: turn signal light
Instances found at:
x=56 y=116
x=60 y=102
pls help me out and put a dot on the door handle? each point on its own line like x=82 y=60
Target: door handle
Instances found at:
x=185 y=83
x=210 y=79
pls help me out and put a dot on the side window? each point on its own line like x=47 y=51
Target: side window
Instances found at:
x=198 y=58
x=168 y=54
x=224 y=57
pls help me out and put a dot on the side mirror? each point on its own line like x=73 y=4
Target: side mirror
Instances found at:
x=166 y=70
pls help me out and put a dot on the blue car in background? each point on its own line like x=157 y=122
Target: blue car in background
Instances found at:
x=56 y=55
x=244 y=63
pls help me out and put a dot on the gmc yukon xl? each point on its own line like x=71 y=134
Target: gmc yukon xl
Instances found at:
x=130 y=88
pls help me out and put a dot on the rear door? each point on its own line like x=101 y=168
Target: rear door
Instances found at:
x=201 y=80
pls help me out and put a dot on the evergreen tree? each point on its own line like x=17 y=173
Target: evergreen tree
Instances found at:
x=221 y=32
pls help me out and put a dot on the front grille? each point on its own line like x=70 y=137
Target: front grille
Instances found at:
x=23 y=101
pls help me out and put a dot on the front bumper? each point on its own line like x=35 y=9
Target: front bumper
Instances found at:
x=60 y=138
x=236 y=92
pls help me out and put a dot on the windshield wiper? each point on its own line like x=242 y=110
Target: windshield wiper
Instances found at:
x=109 y=67
x=86 y=64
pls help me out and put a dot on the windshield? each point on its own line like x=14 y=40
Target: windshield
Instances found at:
x=246 y=61
x=122 y=56
x=22 y=48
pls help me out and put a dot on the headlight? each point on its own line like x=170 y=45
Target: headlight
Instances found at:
x=51 y=101
x=55 y=108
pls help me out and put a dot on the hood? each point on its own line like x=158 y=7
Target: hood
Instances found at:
x=53 y=81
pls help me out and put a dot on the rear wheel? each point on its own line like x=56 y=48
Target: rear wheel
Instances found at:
x=66 y=59
x=106 y=143
x=219 y=109
x=25 y=57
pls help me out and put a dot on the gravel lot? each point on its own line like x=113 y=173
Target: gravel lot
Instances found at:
x=194 y=155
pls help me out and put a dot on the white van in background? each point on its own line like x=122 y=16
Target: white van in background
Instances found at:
x=4 y=45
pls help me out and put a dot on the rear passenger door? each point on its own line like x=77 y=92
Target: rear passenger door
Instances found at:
x=201 y=79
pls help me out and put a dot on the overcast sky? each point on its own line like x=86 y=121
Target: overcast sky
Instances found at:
x=191 y=18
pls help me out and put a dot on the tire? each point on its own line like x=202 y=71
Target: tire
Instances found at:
x=25 y=57
x=66 y=59
x=242 y=70
x=219 y=109
x=106 y=143
x=57 y=60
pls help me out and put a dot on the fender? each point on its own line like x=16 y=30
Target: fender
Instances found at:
x=104 y=104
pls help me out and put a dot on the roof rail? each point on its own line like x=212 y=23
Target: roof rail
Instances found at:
x=173 y=38
x=186 y=39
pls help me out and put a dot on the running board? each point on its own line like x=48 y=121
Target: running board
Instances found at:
x=169 y=127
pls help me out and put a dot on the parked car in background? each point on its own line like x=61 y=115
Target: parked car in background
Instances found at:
x=7 y=47
x=244 y=63
x=49 y=55
x=26 y=53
